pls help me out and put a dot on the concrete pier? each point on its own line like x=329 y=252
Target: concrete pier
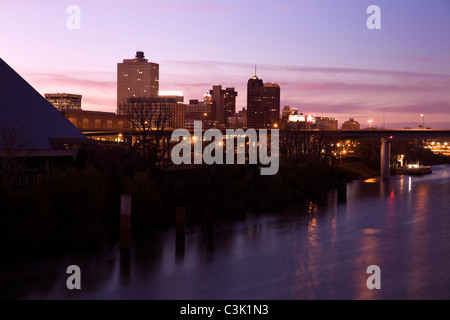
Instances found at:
x=385 y=159
x=125 y=221
x=180 y=222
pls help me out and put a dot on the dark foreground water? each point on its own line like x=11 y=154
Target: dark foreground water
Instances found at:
x=402 y=226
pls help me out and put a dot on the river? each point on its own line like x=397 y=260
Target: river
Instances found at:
x=401 y=226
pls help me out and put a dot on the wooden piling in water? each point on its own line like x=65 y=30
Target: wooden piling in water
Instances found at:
x=180 y=223
x=342 y=192
x=125 y=221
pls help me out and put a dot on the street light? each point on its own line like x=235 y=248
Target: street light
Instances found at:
x=423 y=121
x=370 y=123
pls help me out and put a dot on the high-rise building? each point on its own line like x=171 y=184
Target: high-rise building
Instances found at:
x=263 y=104
x=64 y=100
x=224 y=103
x=229 y=100
x=217 y=103
x=136 y=78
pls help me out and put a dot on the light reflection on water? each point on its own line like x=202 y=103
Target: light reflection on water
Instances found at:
x=403 y=226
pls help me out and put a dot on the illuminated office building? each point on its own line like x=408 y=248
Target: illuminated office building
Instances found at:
x=136 y=78
x=64 y=100
x=263 y=104
x=224 y=103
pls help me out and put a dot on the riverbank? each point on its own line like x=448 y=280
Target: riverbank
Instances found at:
x=323 y=254
x=80 y=208
x=357 y=170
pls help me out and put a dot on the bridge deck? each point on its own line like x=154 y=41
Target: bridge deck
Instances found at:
x=380 y=133
x=344 y=134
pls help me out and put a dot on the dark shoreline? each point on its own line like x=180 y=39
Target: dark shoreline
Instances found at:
x=80 y=209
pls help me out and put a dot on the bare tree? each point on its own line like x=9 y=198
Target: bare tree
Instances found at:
x=14 y=149
x=297 y=140
x=150 y=123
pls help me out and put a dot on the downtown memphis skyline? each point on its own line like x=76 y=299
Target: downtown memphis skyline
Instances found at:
x=322 y=54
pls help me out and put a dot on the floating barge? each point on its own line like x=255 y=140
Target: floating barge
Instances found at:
x=414 y=170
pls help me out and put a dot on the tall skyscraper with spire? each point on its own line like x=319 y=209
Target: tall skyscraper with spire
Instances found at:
x=136 y=78
x=263 y=104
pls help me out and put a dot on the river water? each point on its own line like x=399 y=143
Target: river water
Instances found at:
x=401 y=226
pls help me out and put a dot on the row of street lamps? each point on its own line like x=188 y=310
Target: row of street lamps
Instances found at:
x=421 y=115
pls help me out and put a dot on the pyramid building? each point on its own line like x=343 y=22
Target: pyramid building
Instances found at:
x=30 y=124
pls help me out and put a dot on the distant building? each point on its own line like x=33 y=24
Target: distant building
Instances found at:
x=206 y=124
x=326 y=123
x=263 y=104
x=177 y=95
x=286 y=112
x=104 y=127
x=229 y=107
x=159 y=110
x=198 y=110
x=86 y=120
x=64 y=100
x=309 y=118
x=238 y=120
x=351 y=124
x=297 y=118
x=311 y=121
x=224 y=103
x=243 y=113
x=136 y=78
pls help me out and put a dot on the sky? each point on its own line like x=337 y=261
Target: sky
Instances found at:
x=321 y=52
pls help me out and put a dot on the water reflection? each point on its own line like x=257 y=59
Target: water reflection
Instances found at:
x=323 y=252
x=125 y=266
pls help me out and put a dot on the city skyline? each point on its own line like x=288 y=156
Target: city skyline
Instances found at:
x=321 y=53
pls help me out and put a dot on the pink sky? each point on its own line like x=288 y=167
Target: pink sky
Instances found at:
x=320 y=52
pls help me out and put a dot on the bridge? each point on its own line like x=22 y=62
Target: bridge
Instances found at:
x=380 y=133
x=385 y=135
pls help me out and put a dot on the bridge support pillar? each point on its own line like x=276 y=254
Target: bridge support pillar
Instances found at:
x=385 y=158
